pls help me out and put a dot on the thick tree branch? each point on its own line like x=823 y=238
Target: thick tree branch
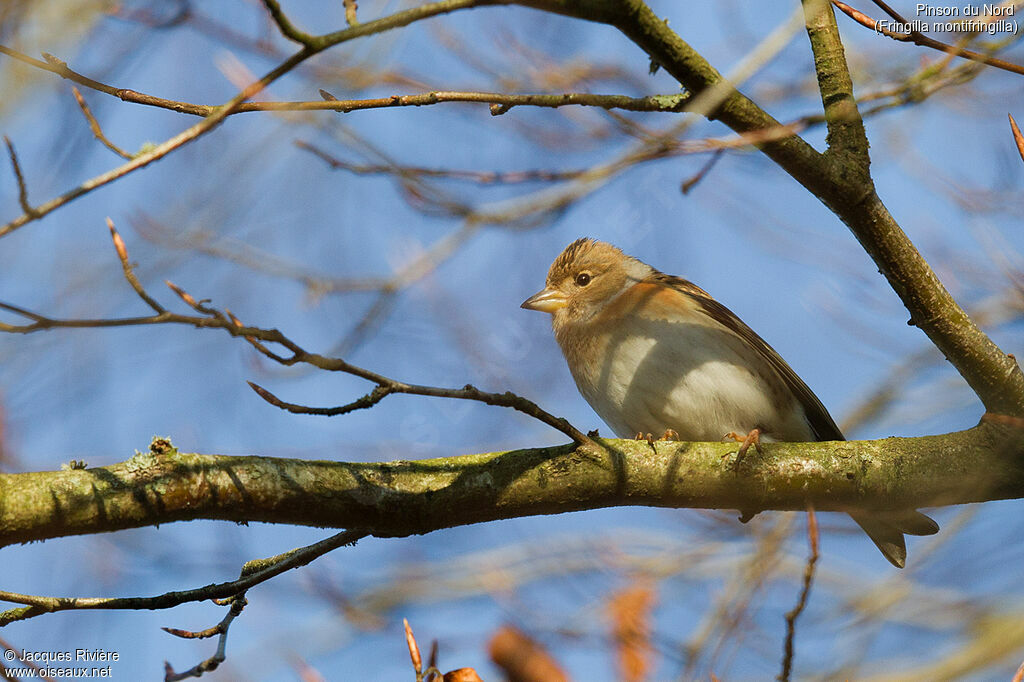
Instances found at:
x=409 y=497
x=847 y=138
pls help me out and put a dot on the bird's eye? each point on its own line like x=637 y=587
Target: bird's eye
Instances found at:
x=582 y=279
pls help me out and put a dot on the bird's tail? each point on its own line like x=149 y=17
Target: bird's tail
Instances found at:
x=886 y=530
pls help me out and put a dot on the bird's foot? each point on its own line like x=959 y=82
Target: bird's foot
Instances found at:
x=669 y=435
x=752 y=438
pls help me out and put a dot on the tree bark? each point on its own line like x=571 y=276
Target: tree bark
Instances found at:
x=410 y=497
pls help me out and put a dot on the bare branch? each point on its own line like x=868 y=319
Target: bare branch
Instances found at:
x=238 y=602
x=94 y=125
x=1017 y=136
x=285 y=25
x=408 y=497
x=253 y=573
x=60 y=68
x=480 y=177
x=918 y=38
x=157 y=152
x=692 y=181
x=805 y=591
x=652 y=103
x=367 y=401
x=414 y=649
x=129 y=273
x=22 y=189
x=213 y=115
x=213 y=318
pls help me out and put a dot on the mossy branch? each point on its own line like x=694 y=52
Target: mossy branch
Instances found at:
x=410 y=497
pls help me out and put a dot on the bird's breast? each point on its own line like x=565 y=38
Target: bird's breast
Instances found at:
x=646 y=375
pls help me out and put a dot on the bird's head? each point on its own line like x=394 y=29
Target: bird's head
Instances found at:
x=583 y=279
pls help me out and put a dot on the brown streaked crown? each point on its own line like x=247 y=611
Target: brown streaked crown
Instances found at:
x=608 y=271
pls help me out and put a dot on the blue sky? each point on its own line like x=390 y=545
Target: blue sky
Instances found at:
x=747 y=233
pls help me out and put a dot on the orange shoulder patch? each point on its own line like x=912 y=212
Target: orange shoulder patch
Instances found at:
x=650 y=300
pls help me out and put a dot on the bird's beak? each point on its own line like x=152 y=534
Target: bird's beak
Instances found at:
x=547 y=301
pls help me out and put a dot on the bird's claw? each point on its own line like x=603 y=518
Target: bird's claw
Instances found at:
x=752 y=438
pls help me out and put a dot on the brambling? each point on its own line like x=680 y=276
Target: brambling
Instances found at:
x=653 y=353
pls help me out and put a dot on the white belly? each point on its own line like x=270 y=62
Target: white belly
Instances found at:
x=698 y=380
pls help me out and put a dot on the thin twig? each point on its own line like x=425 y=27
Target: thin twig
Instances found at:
x=253 y=573
x=1017 y=136
x=504 y=102
x=238 y=602
x=211 y=317
x=239 y=252
x=367 y=401
x=374 y=316
x=129 y=273
x=661 y=147
x=468 y=392
x=255 y=343
x=157 y=152
x=812 y=534
x=60 y=68
x=22 y=189
x=671 y=103
x=316 y=45
x=42 y=322
x=480 y=177
x=215 y=319
x=414 y=650
x=213 y=116
x=692 y=181
x=285 y=25
x=94 y=125
x=918 y=38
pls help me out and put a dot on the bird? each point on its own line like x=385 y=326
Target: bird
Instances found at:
x=653 y=353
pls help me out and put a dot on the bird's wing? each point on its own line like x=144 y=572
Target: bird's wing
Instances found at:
x=820 y=421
